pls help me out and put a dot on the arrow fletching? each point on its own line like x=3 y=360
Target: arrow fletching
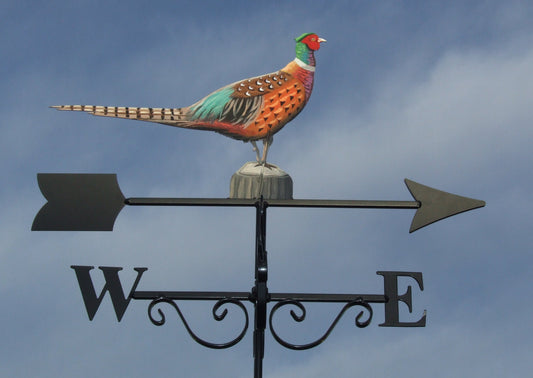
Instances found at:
x=78 y=202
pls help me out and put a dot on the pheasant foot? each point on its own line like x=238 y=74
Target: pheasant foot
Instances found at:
x=265 y=164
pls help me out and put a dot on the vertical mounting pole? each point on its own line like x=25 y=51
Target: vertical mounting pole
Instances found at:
x=260 y=290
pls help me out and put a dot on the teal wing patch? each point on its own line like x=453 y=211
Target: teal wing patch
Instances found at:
x=211 y=107
x=224 y=106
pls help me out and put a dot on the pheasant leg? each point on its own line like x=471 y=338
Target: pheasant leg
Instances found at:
x=267 y=142
x=256 y=150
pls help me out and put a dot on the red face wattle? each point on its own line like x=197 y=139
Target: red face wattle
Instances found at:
x=312 y=41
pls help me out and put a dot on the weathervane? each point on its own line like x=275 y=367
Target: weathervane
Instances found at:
x=249 y=110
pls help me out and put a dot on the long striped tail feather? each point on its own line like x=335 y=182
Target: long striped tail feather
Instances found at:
x=170 y=116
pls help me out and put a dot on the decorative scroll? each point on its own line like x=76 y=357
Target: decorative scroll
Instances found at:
x=216 y=315
x=299 y=318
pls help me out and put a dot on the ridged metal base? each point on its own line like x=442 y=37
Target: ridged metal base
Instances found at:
x=253 y=181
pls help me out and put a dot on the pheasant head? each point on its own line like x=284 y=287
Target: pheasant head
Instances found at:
x=306 y=45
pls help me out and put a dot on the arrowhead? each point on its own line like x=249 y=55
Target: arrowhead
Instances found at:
x=436 y=205
x=78 y=202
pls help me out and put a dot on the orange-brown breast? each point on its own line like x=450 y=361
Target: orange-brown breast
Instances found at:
x=283 y=98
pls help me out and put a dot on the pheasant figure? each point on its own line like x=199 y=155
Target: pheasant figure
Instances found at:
x=248 y=110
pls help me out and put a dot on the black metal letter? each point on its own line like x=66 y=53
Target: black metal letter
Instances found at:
x=112 y=284
x=392 y=316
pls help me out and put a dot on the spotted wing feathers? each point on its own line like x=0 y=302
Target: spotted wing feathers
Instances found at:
x=260 y=85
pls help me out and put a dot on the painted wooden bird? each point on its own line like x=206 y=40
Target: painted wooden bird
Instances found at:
x=249 y=110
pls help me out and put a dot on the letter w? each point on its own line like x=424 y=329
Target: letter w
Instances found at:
x=112 y=284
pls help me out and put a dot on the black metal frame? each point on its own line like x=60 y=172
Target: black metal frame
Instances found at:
x=259 y=296
x=91 y=202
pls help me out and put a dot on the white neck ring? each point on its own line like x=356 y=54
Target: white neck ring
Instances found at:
x=304 y=65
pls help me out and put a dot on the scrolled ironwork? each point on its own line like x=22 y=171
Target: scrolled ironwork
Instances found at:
x=218 y=316
x=301 y=317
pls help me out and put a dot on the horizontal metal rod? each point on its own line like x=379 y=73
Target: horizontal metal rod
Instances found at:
x=192 y=295
x=370 y=298
x=242 y=296
x=148 y=201
x=371 y=204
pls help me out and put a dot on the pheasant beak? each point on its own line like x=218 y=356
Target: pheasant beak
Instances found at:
x=320 y=40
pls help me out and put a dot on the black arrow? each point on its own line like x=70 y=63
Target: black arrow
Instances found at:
x=92 y=202
x=78 y=202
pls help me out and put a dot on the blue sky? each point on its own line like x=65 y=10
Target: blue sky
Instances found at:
x=438 y=92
